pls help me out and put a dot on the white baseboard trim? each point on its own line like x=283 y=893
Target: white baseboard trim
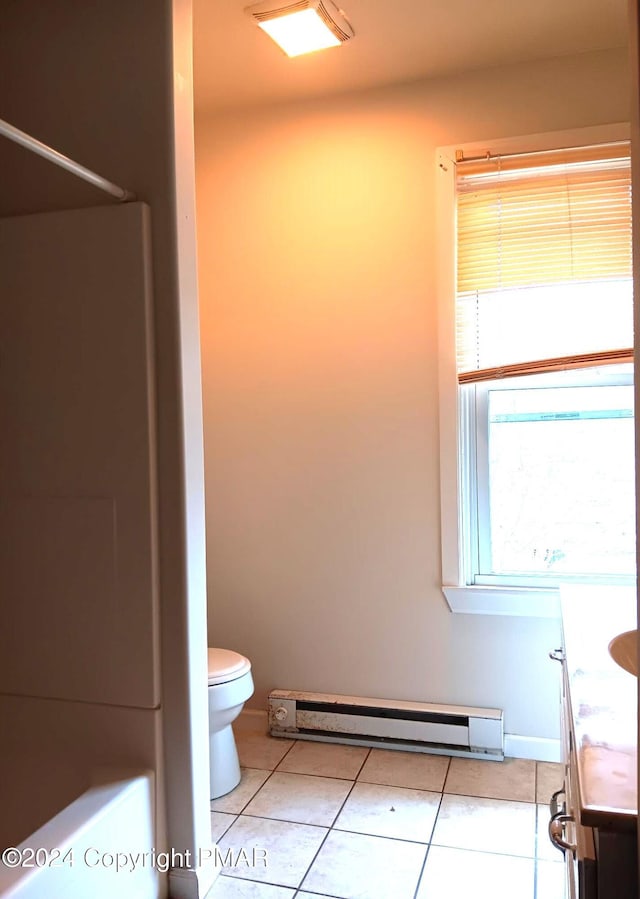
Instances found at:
x=539 y=749
x=193 y=883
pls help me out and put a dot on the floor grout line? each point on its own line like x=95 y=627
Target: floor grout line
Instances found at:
x=334 y=828
x=431 y=835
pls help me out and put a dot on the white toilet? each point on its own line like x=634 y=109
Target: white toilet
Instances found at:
x=230 y=685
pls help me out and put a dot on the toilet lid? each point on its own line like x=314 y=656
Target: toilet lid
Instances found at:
x=226 y=665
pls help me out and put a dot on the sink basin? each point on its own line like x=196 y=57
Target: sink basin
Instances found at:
x=623 y=649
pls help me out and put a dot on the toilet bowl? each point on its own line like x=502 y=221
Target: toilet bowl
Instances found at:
x=230 y=685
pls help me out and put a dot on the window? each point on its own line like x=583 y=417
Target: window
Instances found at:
x=555 y=468
x=541 y=422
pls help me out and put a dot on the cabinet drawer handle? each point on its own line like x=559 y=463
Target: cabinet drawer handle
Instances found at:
x=556 y=808
x=556 y=829
x=557 y=655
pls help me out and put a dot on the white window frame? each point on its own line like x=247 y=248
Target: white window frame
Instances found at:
x=478 y=421
x=457 y=479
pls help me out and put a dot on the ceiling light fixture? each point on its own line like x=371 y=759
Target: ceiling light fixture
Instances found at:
x=303 y=26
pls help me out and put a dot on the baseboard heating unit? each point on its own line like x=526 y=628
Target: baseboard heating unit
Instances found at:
x=417 y=726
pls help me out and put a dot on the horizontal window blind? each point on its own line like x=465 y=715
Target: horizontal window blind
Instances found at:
x=544 y=278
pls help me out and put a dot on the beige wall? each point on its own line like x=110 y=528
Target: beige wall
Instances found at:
x=317 y=231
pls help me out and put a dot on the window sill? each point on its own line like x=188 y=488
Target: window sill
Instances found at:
x=523 y=602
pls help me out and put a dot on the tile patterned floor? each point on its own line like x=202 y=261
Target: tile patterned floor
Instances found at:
x=348 y=822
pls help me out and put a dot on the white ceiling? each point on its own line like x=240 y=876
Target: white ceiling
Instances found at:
x=236 y=65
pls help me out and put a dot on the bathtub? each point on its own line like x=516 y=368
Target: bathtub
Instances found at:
x=100 y=846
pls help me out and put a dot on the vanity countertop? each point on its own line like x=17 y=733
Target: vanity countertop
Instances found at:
x=603 y=703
